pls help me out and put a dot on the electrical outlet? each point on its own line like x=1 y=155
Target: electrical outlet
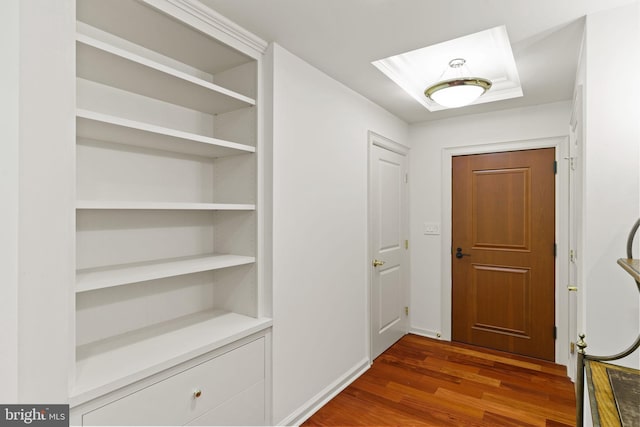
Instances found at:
x=431 y=228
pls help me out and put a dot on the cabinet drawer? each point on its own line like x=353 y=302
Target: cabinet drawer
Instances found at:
x=244 y=409
x=172 y=401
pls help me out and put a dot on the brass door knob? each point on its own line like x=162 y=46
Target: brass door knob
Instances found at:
x=572 y=288
x=377 y=263
x=197 y=393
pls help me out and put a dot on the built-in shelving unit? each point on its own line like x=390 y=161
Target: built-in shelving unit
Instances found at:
x=167 y=193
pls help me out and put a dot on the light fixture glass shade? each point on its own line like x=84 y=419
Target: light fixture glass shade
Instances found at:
x=457 y=95
x=457 y=91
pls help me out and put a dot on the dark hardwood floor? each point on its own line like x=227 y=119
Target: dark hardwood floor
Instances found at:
x=420 y=381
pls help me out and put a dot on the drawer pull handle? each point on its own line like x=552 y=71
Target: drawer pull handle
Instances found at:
x=197 y=393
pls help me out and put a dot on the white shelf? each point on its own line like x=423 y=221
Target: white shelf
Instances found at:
x=104 y=127
x=104 y=63
x=135 y=205
x=90 y=279
x=109 y=364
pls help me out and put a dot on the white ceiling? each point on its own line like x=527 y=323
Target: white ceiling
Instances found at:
x=486 y=53
x=343 y=37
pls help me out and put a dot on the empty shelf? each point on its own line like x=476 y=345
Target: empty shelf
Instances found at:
x=111 y=65
x=104 y=127
x=105 y=277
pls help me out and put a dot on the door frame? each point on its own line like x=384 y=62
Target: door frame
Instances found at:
x=377 y=140
x=576 y=220
x=561 y=145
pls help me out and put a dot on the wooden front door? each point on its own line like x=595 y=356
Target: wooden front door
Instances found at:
x=503 y=256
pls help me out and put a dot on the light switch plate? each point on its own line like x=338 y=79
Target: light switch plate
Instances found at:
x=431 y=228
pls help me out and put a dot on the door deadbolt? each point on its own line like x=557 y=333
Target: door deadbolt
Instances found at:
x=459 y=253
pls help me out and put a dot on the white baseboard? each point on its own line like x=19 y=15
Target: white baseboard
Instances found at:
x=425 y=333
x=319 y=400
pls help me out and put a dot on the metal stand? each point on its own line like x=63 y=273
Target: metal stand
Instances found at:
x=582 y=345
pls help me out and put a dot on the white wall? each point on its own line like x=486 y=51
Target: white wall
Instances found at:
x=427 y=141
x=319 y=231
x=612 y=181
x=9 y=102
x=46 y=199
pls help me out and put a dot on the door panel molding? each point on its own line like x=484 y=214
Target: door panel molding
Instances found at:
x=491 y=238
x=560 y=143
x=388 y=299
x=486 y=316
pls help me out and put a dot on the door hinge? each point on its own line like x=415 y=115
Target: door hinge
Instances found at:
x=572 y=255
x=555 y=332
x=406 y=311
x=555 y=167
x=555 y=249
x=406 y=178
x=406 y=244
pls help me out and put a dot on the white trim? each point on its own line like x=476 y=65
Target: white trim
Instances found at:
x=560 y=144
x=380 y=141
x=206 y=19
x=425 y=333
x=9 y=192
x=575 y=224
x=319 y=400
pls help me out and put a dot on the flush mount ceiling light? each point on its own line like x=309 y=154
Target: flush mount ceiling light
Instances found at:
x=488 y=53
x=456 y=88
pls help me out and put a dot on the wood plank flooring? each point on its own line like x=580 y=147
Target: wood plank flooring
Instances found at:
x=420 y=381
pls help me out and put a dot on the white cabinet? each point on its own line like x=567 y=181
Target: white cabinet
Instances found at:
x=168 y=199
x=203 y=392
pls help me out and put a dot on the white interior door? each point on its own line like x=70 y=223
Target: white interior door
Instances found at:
x=389 y=264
